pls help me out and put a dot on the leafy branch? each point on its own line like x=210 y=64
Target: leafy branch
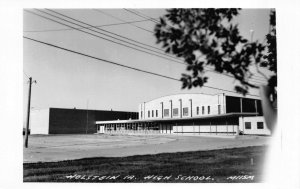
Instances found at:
x=211 y=35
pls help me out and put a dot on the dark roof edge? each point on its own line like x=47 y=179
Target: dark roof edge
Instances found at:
x=182 y=119
x=91 y=110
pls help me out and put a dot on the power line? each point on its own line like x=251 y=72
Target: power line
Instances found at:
x=111 y=62
x=140 y=42
x=25 y=74
x=104 y=25
x=154 y=19
x=127 y=42
x=90 y=26
x=105 y=35
x=142 y=15
x=110 y=40
x=180 y=61
x=137 y=13
x=150 y=46
x=121 y=65
x=122 y=20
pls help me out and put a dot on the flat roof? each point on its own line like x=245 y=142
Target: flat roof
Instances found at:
x=177 y=119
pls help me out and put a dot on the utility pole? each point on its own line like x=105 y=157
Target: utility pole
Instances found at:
x=28 y=112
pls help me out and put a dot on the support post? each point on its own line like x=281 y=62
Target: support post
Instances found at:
x=226 y=128
x=171 y=109
x=241 y=104
x=193 y=128
x=28 y=113
x=180 y=108
x=144 y=110
x=256 y=107
x=191 y=107
x=162 y=110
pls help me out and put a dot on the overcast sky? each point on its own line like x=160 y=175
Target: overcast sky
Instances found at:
x=67 y=80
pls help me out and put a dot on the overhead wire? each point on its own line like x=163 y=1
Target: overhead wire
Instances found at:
x=104 y=25
x=91 y=26
x=108 y=36
x=97 y=27
x=102 y=37
x=137 y=13
x=126 y=38
x=123 y=20
x=210 y=70
x=253 y=79
x=25 y=74
x=141 y=15
x=122 y=65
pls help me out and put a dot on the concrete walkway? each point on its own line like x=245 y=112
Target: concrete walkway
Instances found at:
x=66 y=147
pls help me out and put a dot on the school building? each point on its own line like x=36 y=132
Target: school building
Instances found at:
x=193 y=114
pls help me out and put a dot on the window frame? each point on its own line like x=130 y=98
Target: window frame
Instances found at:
x=177 y=113
x=246 y=122
x=257 y=126
x=187 y=111
x=166 y=115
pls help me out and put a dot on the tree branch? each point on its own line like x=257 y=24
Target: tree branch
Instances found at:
x=258 y=71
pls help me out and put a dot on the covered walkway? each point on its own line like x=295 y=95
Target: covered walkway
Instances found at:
x=226 y=124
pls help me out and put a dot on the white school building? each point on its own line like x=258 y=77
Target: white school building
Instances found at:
x=194 y=114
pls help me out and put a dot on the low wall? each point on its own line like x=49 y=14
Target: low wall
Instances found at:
x=39 y=122
x=206 y=129
x=254 y=128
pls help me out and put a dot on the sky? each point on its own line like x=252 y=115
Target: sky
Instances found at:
x=67 y=80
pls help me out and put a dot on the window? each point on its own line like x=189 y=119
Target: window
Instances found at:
x=185 y=111
x=260 y=125
x=219 y=109
x=148 y=113
x=203 y=110
x=247 y=125
x=152 y=113
x=141 y=114
x=208 y=109
x=175 y=112
x=156 y=113
x=197 y=110
x=166 y=112
x=248 y=105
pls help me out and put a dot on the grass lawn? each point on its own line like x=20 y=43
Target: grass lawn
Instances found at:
x=226 y=165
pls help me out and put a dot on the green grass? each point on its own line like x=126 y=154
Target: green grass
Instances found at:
x=217 y=165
